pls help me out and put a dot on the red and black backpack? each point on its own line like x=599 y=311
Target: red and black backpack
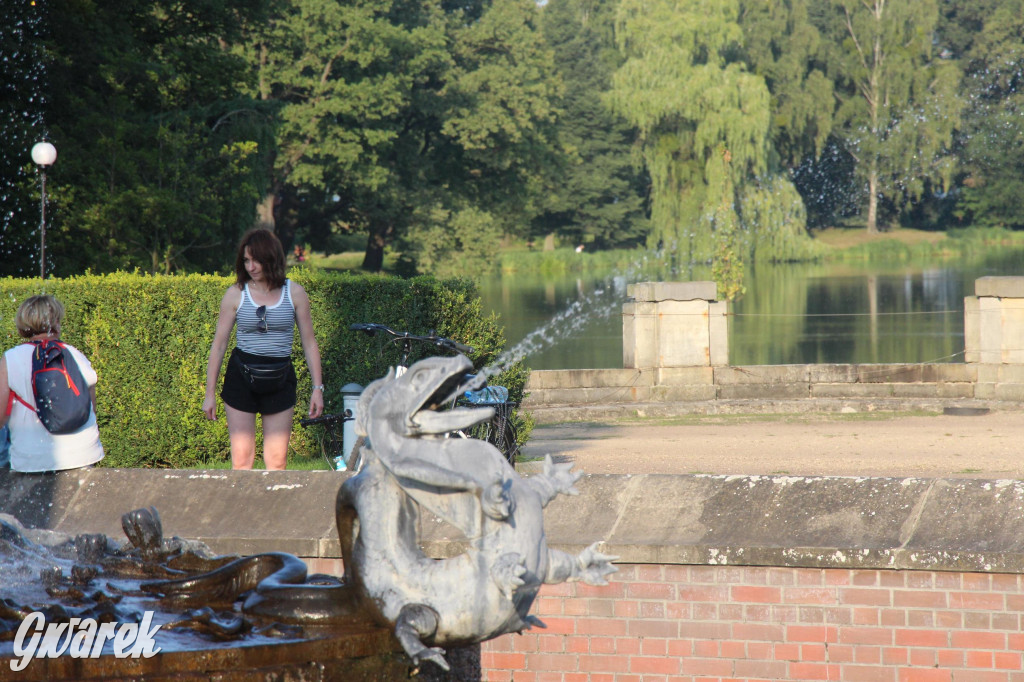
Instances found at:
x=62 y=400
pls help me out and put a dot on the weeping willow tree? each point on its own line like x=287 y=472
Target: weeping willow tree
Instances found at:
x=692 y=101
x=775 y=221
x=704 y=125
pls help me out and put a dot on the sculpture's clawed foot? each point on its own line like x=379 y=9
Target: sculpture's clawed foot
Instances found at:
x=434 y=654
x=594 y=566
x=561 y=476
x=495 y=500
x=415 y=623
x=507 y=573
x=535 y=622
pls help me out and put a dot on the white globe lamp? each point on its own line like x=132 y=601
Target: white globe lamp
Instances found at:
x=44 y=153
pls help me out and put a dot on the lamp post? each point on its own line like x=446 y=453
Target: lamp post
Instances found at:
x=44 y=154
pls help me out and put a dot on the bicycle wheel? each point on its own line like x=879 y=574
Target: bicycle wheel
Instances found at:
x=500 y=432
x=327 y=436
x=506 y=440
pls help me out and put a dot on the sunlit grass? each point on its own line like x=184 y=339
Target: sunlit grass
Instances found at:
x=350 y=261
x=907 y=245
x=847 y=243
x=295 y=463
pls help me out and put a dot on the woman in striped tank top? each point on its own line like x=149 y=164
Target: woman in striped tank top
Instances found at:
x=266 y=308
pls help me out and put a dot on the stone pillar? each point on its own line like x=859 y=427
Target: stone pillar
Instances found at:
x=674 y=324
x=994 y=321
x=994 y=336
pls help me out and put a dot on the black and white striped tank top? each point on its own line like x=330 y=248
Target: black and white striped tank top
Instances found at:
x=276 y=342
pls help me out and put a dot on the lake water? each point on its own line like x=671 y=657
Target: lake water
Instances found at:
x=791 y=313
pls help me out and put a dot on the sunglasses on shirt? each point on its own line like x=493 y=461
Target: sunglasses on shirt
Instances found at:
x=261 y=319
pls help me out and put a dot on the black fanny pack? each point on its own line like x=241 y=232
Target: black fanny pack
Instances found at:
x=264 y=375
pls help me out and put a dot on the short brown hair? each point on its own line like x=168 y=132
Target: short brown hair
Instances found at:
x=265 y=248
x=40 y=314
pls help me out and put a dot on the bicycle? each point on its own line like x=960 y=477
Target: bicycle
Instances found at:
x=332 y=445
x=406 y=340
x=499 y=430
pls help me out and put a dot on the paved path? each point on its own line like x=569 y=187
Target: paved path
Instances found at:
x=866 y=444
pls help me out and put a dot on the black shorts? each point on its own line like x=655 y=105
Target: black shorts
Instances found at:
x=236 y=393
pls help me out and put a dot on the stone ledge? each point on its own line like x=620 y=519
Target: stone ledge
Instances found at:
x=854 y=382
x=586 y=378
x=999 y=287
x=672 y=291
x=559 y=413
x=824 y=522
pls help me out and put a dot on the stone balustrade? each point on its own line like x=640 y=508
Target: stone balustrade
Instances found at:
x=676 y=350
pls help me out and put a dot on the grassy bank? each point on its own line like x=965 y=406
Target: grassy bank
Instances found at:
x=836 y=245
x=914 y=245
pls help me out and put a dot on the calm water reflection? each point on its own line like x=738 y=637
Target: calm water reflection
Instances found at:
x=791 y=314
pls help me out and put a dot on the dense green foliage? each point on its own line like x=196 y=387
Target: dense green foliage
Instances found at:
x=598 y=198
x=154 y=170
x=21 y=126
x=711 y=130
x=988 y=36
x=702 y=116
x=898 y=105
x=149 y=337
x=421 y=124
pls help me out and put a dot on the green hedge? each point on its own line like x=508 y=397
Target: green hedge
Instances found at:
x=149 y=338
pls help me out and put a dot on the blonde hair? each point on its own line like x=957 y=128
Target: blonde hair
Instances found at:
x=41 y=314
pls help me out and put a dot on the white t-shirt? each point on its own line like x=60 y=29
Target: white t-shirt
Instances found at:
x=33 y=448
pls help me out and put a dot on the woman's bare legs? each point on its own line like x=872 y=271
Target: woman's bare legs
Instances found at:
x=277 y=431
x=242 y=432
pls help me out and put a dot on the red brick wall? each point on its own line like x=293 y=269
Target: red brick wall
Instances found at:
x=658 y=623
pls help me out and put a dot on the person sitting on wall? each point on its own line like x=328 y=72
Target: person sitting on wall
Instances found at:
x=33 y=448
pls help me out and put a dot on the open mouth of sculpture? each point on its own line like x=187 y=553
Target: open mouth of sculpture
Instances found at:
x=439 y=413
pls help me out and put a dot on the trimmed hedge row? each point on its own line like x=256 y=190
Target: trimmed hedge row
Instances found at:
x=149 y=338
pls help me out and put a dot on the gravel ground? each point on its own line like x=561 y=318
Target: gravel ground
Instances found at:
x=864 y=444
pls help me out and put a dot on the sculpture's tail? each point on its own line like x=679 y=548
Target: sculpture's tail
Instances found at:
x=277 y=586
x=228 y=582
x=307 y=604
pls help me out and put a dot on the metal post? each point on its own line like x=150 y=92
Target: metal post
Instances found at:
x=43 y=154
x=42 y=226
x=350 y=398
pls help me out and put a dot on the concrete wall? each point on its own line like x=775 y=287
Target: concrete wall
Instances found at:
x=721 y=577
x=558 y=394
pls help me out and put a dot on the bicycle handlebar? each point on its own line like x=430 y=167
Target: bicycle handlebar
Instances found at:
x=372 y=328
x=327 y=418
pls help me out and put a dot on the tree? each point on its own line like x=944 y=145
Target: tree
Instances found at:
x=21 y=126
x=988 y=40
x=782 y=45
x=898 y=105
x=598 y=196
x=395 y=115
x=704 y=120
x=154 y=170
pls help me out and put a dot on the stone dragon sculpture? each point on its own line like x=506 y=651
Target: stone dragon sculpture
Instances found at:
x=409 y=463
x=484 y=592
